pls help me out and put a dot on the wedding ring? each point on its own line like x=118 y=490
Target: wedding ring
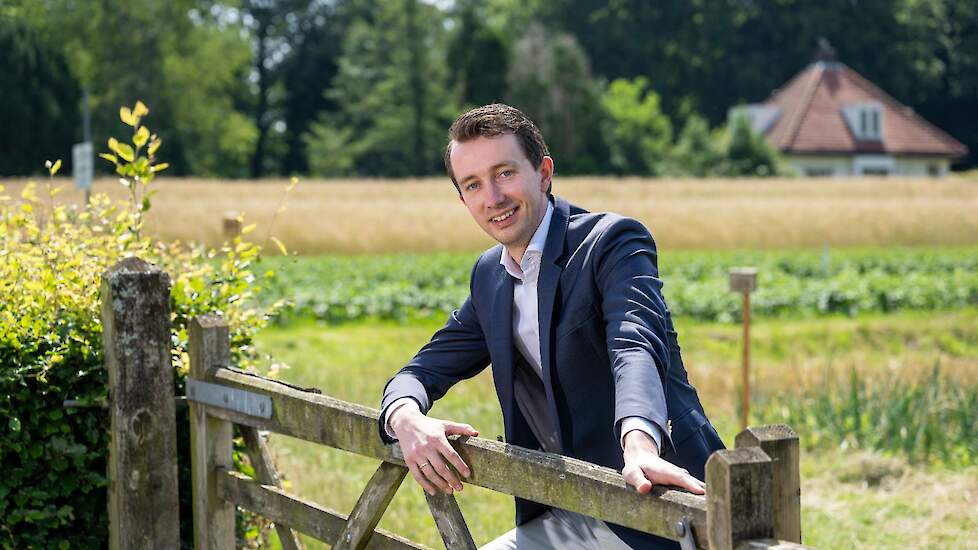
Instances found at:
x=421 y=467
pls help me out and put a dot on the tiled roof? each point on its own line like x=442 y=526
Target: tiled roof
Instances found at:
x=811 y=117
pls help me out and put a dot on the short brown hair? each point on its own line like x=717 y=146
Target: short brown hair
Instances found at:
x=493 y=120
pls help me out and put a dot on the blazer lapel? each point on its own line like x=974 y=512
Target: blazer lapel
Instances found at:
x=550 y=270
x=501 y=345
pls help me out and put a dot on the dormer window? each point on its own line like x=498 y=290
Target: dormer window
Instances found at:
x=865 y=120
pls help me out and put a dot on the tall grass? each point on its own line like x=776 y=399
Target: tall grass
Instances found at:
x=932 y=419
x=364 y=216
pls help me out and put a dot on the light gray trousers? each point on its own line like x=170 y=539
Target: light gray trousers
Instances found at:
x=559 y=529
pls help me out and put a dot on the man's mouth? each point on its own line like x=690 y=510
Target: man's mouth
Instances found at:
x=504 y=216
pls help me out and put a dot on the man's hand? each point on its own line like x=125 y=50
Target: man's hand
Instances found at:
x=425 y=446
x=644 y=468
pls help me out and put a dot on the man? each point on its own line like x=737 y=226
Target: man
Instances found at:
x=568 y=310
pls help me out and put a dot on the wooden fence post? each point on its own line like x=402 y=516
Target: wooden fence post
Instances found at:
x=780 y=443
x=143 y=506
x=738 y=497
x=210 y=440
x=231 y=226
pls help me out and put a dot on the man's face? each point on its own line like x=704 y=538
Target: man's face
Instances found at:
x=506 y=195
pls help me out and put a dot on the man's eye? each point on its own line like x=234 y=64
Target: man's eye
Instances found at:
x=472 y=187
x=506 y=173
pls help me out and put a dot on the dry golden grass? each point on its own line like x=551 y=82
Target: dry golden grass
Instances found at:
x=363 y=216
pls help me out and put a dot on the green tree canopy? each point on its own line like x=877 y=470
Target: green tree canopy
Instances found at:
x=393 y=93
x=552 y=84
x=637 y=133
x=187 y=61
x=697 y=152
x=40 y=103
x=748 y=153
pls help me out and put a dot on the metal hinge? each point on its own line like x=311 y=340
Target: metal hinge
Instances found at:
x=224 y=397
x=685 y=532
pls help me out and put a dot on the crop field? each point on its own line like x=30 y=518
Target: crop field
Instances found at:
x=790 y=283
x=856 y=490
x=382 y=216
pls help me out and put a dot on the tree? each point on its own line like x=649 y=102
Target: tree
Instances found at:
x=637 y=133
x=274 y=25
x=708 y=56
x=40 y=106
x=552 y=84
x=395 y=103
x=748 y=152
x=478 y=56
x=186 y=62
x=307 y=72
x=697 y=152
x=940 y=76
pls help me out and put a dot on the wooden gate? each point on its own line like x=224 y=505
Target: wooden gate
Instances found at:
x=752 y=492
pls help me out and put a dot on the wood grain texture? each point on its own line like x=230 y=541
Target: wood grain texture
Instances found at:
x=261 y=459
x=309 y=517
x=451 y=524
x=780 y=443
x=371 y=506
x=210 y=440
x=143 y=504
x=550 y=479
x=739 y=499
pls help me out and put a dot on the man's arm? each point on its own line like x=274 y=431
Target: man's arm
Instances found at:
x=457 y=351
x=635 y=318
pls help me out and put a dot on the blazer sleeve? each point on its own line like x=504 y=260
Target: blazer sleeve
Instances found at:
x=456 y=351
x=635 y=317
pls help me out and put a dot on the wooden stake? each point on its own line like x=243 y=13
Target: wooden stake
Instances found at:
x=745 y=366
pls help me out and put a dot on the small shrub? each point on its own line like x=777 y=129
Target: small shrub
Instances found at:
x=53 y=492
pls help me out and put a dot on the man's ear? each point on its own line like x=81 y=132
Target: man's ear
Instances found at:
x=546 y=173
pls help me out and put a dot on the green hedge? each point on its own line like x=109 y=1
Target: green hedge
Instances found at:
x=53 y=487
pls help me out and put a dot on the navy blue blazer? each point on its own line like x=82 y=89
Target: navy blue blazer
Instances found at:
x=607 y=343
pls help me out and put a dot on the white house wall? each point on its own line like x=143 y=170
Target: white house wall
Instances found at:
x=820 y=166
x=849 y=166
x=923 y=167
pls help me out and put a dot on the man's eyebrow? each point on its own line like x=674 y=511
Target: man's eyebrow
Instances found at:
x=493 y=168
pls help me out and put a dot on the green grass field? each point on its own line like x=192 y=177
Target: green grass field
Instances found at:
x=851 y=496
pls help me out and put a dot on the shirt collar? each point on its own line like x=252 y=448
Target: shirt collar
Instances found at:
x=535 y=248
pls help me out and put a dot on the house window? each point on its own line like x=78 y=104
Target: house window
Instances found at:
x=875 y=171
x=869 y=122
x=865 y=120
x=818 y=171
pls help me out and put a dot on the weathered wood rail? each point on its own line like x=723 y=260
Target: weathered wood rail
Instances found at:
x=752 y=498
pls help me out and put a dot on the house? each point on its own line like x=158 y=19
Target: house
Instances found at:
x=830 y=121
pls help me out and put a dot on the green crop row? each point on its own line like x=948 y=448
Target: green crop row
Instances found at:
x=790 y=283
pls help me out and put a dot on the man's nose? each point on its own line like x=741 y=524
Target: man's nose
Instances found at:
x=496 y=195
